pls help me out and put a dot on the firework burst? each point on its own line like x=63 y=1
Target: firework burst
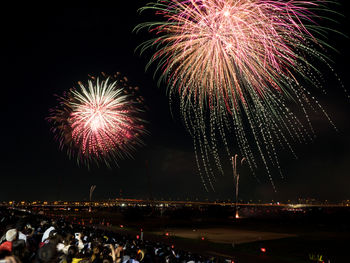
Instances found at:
x=237 y=65
x=100 y=121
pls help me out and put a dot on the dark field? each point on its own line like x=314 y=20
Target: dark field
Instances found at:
x=261 y=234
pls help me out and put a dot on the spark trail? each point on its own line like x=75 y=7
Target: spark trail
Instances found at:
x=239 y=67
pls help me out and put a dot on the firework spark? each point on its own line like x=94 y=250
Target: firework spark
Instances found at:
x=238 y=65
x=100 y=121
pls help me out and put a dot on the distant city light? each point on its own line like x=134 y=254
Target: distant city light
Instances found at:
x=237 y=215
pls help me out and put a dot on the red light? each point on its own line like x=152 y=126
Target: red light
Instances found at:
x=172 y=246
x=202 y=238
x=167 y=234
x=263 y=249
x=137 y=237
x=121 y=226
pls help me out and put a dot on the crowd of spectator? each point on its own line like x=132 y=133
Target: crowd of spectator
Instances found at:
x=30 y=238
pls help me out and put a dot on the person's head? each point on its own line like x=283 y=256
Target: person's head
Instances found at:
x=72 y=251
x=55 y=238
x=5 y=253
x=106 y=251
x=96 y=248
x=69 y=239
x=47 y=253
x=11 y=235
x=132 y=253
x=28 y=230
x=54 y=223
x=20 y=225
x=107 y=259
x=18 y=248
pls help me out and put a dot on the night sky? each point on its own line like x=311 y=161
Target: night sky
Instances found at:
x=49 y=48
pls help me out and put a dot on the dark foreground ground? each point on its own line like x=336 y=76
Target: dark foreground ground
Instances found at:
x=261 y=234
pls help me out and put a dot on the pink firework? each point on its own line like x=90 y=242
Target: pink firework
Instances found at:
x=101 y=120
x=222 y=50
x=236 y=67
